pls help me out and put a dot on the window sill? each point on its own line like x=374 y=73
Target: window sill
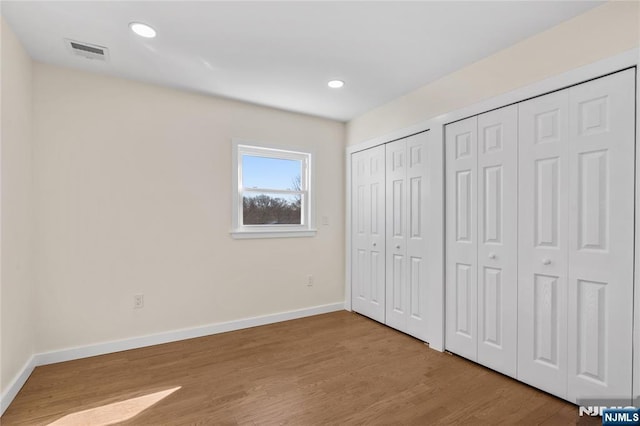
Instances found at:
x=243 y=235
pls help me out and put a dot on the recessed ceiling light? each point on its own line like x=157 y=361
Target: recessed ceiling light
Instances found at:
x=143 y=30
x=335 y=84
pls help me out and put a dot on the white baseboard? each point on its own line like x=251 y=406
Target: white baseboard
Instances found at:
x=154 y=339
x=10 y=393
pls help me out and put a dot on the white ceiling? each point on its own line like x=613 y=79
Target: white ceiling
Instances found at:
x=282 y=54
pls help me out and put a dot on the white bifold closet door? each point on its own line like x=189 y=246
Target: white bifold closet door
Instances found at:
x=368 y=232
x=601 y=236
x=543 y=242
x=497 y=239
x=576 y=240
x=406 y=209
x=481 y=238
x=461 y=307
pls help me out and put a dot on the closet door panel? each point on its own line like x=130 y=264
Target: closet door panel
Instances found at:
x=416 y=243
x=497 y=176
x=397 y=279
x=368 y=233
x=542 y=246
x=461 y=238
x=360 y=238
x=601 y=217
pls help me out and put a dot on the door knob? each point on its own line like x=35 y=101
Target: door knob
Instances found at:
x=374 y=244
x=492 y=255
x=546 y=261
x=398 y=246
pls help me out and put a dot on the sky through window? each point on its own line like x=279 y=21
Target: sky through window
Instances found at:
x=269 y=173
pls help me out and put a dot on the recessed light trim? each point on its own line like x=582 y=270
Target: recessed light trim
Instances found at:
x=335 y=84
x=143 y=30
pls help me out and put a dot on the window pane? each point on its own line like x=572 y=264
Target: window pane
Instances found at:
x=270 y=173
x=271 y=209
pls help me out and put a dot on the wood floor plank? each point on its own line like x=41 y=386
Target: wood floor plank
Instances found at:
x=337 y=368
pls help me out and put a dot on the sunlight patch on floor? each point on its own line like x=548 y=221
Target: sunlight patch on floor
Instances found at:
x=115 y=412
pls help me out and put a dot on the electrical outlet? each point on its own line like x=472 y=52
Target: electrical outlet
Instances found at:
x=138 y=301
x=309 y=280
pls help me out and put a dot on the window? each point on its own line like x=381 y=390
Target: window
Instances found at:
x=272 y=194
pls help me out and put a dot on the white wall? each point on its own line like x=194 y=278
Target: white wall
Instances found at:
x=599 y=33
x=133 y=187
x=16 y=278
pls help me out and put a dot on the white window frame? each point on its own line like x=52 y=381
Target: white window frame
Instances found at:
x=241 y=231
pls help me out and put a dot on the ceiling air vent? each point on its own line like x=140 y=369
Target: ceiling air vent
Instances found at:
x=87 y=50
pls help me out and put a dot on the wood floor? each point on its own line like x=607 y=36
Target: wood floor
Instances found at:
x=338 y=368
